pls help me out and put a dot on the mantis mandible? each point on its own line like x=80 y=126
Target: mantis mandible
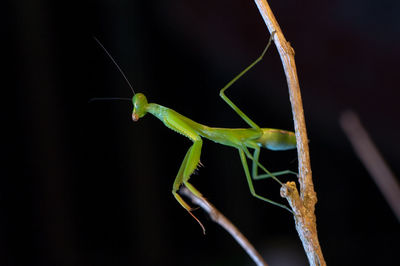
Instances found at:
x=240 y=138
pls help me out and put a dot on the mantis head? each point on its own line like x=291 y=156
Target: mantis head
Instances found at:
x=139 y=106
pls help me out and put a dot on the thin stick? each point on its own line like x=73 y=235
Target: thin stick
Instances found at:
x=372 y=160
x=220 y=219
x=303 y=204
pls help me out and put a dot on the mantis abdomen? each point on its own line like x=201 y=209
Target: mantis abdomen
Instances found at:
x=277 y=139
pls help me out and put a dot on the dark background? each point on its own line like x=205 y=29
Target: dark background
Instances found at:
x=84 y=185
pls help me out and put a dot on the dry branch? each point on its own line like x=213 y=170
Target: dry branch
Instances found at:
x=302 y=204
x=220 y=219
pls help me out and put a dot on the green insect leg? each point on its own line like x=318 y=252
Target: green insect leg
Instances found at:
x=250 y=182
x=189 y=164
x=255 y=166
x=229 y=102
x=178 y=182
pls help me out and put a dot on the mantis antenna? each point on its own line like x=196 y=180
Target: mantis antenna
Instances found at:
x=115 y=63
x=110 y=98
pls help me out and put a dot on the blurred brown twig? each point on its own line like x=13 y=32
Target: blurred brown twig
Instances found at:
x=372 y=160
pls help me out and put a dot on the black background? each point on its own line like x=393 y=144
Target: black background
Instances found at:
x=84 y=185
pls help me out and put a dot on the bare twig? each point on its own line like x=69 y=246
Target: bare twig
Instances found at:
x=372 y=160
x=220 y=219
x=302 y=204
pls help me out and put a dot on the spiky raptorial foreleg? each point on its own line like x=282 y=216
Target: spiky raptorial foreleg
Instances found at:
x=189 y=164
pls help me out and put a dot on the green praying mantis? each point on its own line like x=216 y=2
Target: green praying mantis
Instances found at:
x=242 y=139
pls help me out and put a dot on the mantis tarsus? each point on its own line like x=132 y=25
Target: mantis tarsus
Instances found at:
x=239 y=138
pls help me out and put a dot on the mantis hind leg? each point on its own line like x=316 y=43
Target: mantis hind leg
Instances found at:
x=229 y=102
x=250 y=182
x=255 y=166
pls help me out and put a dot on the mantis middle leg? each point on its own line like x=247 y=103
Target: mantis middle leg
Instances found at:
x=268 y=174
x=243 y=158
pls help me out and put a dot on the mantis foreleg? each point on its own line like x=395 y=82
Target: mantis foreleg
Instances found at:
x=189 y=164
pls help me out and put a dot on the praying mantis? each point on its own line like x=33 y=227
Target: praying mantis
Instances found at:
x=242 y=139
